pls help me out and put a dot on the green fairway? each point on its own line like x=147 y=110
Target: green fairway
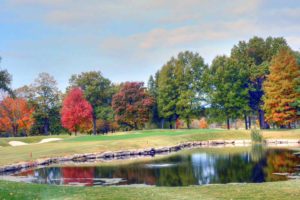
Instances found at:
x=272 y=190
x=142 y=134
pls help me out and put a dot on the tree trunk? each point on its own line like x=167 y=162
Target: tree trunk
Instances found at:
x=228 y=124
x=188 y=123
x=246 y=122
x=261 y=117
x=15 y=130
x=135 y=126
x=46 y=126
x=170 y=124
x=162 y=123
x=94 y=124
x=249 y=120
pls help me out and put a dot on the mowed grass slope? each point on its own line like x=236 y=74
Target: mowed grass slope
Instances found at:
x=120 y=141
x=271 y=190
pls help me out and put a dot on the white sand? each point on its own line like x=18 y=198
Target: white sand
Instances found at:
x=16 y=143
x=49 y=140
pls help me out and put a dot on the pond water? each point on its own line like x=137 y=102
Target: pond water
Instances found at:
x=190 y=167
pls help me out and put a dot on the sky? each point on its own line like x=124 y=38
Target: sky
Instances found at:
x=128 y=40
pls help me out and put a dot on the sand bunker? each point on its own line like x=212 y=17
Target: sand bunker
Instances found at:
x=49 y=140
x=16 y=143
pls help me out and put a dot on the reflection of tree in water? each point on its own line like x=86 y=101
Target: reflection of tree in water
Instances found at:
x=78 y=175
x=257 y=152
x=180 y=169
x=47 y=175
x=134 y=174
x=222 y=168
x=180 y=175
x=173 y=175
x=279 y=161
x=258 y=155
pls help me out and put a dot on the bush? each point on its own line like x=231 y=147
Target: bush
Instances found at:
x=256 y=135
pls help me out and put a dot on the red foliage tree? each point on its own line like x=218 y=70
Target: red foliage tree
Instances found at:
x=15 y=115
x=132 y=105
x=76 y=112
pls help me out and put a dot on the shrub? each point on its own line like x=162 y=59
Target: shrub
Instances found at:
x=256 y=135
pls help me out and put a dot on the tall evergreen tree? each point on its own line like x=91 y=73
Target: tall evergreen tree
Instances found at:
x=153 y=92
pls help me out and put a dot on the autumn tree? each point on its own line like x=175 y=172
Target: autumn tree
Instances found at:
x=76 y=112
x=15 y=116
x=97 y=90
x=297 y=89
x=132 y=105
x=280 y=89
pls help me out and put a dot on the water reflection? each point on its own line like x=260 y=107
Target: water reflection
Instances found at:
x=188 y=168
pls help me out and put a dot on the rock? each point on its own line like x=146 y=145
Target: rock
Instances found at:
x=216 y=142
x=229 y=141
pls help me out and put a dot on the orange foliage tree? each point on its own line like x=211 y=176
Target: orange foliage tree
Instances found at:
x=203 y=123
x=15 y=115
x=279 y=88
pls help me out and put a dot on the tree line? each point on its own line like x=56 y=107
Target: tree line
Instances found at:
x=260 y=77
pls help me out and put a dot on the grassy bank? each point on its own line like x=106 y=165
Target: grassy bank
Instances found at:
x=271 y=190
x=120 y=141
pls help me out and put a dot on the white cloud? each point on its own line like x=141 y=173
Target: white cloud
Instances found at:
x=68 y=12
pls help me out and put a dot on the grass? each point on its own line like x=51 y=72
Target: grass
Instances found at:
x=281 y=133
x=121 y=141
x=141 y=134
x=270 y=190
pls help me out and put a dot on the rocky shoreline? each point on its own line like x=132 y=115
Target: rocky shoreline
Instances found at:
x=127 y=154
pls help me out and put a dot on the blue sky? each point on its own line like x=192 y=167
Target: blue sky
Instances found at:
x=128 y=40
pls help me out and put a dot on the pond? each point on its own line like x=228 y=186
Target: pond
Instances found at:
x=190 y=167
